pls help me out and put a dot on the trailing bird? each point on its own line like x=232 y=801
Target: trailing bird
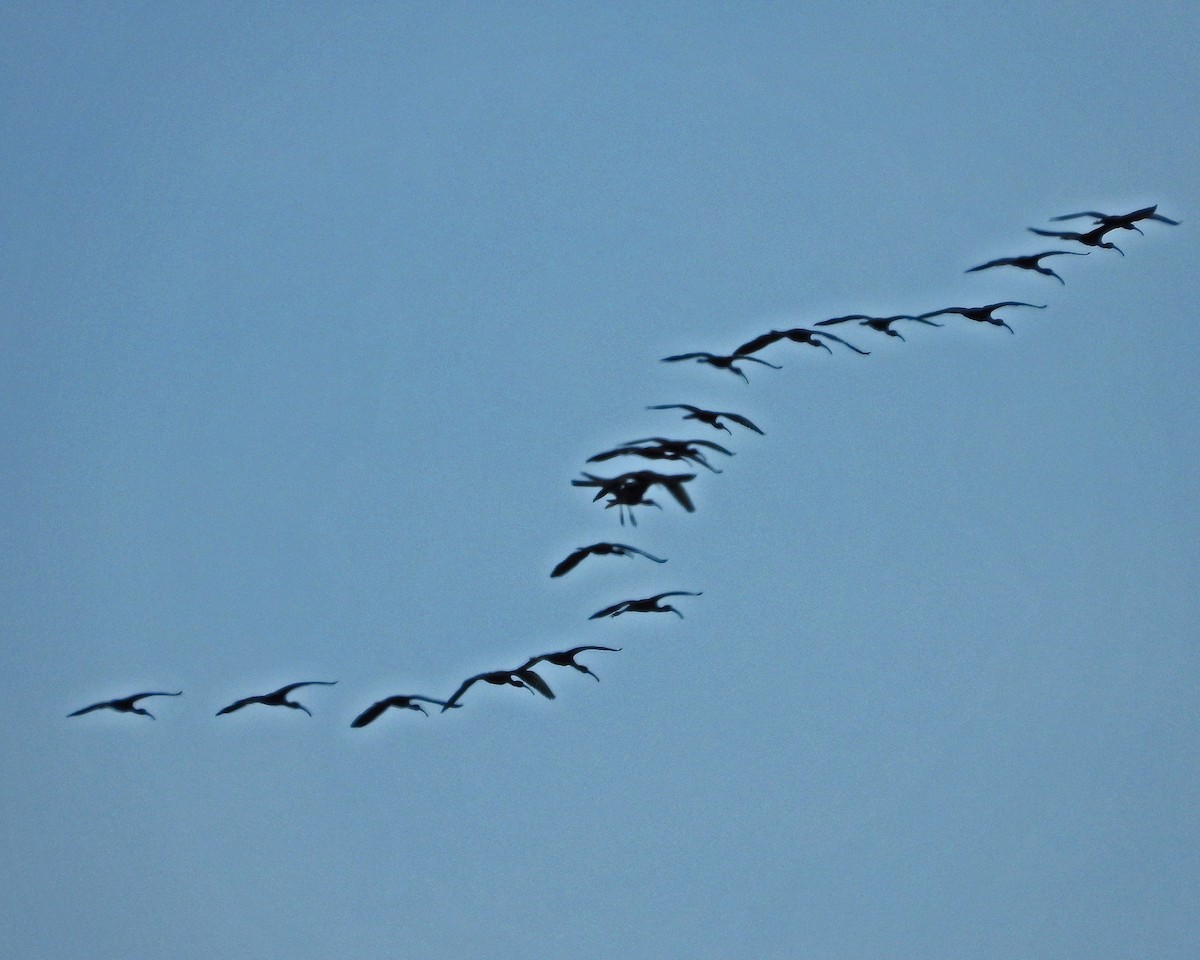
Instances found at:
x=521 y=677
x=664 y=449
x=567 y=659
x=983 y=314
x=375 y=710
x=796 y=335
x=278 y=698
x=645 y=605
x=1093 y=237
x=1031 y=261
x=124 y=704
x=572 y=560
x=882 y=324
x=720 y=362
x=1120 y=221
x=711 y=417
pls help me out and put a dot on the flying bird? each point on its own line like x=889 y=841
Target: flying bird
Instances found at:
x=711 y=417
x=1031 y=261
x=572 y=560
x=124 y=704
x=375 y=710
x=521 y=677
x=278 y=698
x=1093 y=237
x=1120 y=221
x=645 y=605
x=720 y=362
x=983 y=314
x=796 y=335
x=882 y=324
x=629 y=490
x=661 y=448
x=567 y=659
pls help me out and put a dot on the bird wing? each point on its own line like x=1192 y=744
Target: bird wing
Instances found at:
x=453 y=701
x=674 y=485
x=440 y=703
x=575 y=651
x=88 y=709
x=844 y=343
x=773 y=366
x=1015 y=303
x=612 y=611
x=372 y=712
x=846 y=319
x=641 y=553
x=713 y=446
x=762 y=340
x=1082 y=213
x=284 y=691
x=675 y=593
x=570 y=562
x=688 y=356
x=676 y=406
x=238 y=704
x=154 y=693
x=1001 y=262
x=534 y=681
x=744 y=421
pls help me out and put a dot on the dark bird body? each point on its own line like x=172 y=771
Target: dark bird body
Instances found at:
x=278 y=698
x=572 y=560
x=985 y=314
x=124 y=704
x=645 y=605
x=629 y=489
x=1031 y=262
x=1093 y=237
x=796 y=335
x=882 y=324
x=521 y=677
x=711 y=417
x=566 y=658
x=720 y=362
x=403 y=702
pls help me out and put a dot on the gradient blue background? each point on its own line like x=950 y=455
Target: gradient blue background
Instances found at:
x=311 y=314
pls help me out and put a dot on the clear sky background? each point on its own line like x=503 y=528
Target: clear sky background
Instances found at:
x=311 y=315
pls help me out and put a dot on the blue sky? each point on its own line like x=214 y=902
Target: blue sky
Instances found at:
x=309 y=319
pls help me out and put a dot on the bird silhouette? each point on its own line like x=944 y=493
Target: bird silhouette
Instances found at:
x=278 y=698
x=521 y=677
x=1031 y=261
x=983 y=314
x=629 y=490
x=645 y=605
x=661 y=448
x=720 y=362
x=404 y=702
x=882 y=324
x=572 y=560
x=1092 y=238
x=796 y=335
x=711 y=417
x=1120 y=221
x=566 y=658
x=124 y=704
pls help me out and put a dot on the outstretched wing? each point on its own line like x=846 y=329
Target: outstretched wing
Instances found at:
x=95 y=706
x=574 y=651
x=531 y=679
x=1094 y=214
x=643 y=553
x=844 y=343
x=453 y=701
x=846 y=319
x=676 y=593
x=238 y=704
x=154 y=693
x=373 y=712
x=688 y=356
x=1001 y=262
x=570 y=562
x=744 y=421
x=674 y=485
x=284 y=691
x=758 y=343
x=612 y=611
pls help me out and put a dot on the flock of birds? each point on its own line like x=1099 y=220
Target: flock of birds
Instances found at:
x=628 y=490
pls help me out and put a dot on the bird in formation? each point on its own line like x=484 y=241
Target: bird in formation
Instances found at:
x=278 y=698
x=984 y=314
x=576 y=557
x=661 y=448
x=124 y=704
x=882 y=324
x=1092 y=238
x=522 y=677
x=566 y=658
x=711 y=417
x=645 y=605
x=720 y=362
x=400 y=701
x=1031 y=261
x=796 y=335
x=1120 y=221
x=629 y=490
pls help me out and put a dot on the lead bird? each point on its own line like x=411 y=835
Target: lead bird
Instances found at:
x=124 y=704
x=566 y=658
x=984 y=314
x=1031 y=261
x=645 y=605
x=400 y=701
x=277 y=698
x=576 y=557
x=1120 y=221
x=712 y=417
x=522 y=677
x=720 y=362
x=796 y=335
